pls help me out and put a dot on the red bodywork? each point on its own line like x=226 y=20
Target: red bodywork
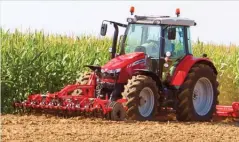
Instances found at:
x=127 y=63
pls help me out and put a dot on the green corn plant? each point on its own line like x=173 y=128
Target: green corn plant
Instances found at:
x=38 y=62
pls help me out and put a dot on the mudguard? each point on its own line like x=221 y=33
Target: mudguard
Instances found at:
x=151 y=74
x=185 y=65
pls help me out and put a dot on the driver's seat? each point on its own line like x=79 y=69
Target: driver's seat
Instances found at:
x=140 y=49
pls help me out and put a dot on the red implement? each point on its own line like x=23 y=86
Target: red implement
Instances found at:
x=228 y=111
x=63 y=101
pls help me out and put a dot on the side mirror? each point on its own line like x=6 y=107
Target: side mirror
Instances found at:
x=171 y=33
x=103 y=29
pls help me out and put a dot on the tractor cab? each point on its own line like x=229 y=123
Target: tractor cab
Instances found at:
x=163 y=39
x=159 y=37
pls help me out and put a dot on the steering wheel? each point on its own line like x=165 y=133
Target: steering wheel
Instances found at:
x=156 y=42
x=154 y=48
x=140 y=49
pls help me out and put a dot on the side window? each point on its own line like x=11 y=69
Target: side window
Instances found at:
x=177 y=46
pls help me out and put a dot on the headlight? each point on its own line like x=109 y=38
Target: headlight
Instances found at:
x=111 y=71
x=114 y=71
x=157 y=22
x=131 y=20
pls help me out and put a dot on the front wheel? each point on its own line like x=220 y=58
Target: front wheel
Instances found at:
x=198 y=95
x=83 y=80
x=141 y=93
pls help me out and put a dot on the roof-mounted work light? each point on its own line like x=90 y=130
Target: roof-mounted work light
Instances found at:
x=132 y=10
x=177 y=12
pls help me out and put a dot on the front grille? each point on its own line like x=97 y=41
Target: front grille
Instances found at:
x=109 y=75
x=107 y=85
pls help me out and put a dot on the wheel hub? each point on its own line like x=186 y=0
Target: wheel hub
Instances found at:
x=146 y=103
x=142 y=101
x=195 y=96
x=203 y=96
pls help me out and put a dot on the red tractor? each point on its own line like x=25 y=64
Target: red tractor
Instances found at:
x=154 y=70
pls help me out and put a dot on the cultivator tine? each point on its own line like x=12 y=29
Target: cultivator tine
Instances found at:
x=94 y=113
x=17 y=109
x=99 y=113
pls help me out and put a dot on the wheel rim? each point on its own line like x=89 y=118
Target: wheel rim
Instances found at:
x=203 y=96
x=146 y=102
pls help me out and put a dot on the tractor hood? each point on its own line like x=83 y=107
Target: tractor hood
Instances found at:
x=122 y=61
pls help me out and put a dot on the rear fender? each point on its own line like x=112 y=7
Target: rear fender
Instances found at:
x=150 y=74
x=184 y=67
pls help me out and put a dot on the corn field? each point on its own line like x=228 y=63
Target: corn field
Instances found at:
x=37 y=63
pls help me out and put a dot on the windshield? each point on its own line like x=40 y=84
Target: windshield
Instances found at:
x=143 y=38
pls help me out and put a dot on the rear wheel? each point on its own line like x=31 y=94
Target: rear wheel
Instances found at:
x=198 y=95
x=141 y=93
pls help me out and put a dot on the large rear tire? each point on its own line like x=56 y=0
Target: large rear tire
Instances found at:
x=198 y=95
x=142 y=96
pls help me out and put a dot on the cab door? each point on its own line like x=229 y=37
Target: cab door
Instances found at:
x=178 y=48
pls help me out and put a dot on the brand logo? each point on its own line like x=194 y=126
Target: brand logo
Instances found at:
x=137 y=62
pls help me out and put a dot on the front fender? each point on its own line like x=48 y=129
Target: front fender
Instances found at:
x=184 y=67
x=151 y=74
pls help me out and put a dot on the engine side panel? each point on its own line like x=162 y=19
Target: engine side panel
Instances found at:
x=130 y=69
x=123 y=60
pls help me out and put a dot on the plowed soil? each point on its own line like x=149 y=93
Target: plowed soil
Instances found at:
x=44 y=128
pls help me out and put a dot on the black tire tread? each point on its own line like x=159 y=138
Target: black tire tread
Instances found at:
x=131 y=93
x=184 y=110
x=84 y=78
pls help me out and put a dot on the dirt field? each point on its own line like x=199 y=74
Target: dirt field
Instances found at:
x=43 y=128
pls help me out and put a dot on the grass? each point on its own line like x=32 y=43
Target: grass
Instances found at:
x=36 y=63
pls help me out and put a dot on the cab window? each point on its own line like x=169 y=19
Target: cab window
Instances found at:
x=176 y=46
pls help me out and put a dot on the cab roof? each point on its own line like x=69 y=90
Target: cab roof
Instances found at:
x=165 y=20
